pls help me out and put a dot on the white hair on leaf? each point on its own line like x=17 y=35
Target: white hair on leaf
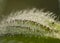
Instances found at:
x=30 y=19
x=36 y=16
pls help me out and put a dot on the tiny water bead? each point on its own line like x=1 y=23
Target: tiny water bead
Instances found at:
x=32 y=23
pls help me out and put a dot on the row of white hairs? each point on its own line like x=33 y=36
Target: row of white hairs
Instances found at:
x=27 y=21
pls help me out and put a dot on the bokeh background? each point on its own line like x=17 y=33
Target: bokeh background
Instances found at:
x=7 y=6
